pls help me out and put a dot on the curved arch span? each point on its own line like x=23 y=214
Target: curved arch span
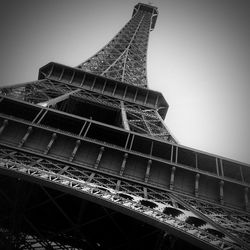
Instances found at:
x=100 y=196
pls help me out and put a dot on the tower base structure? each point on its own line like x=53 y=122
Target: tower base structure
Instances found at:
x=37 y=216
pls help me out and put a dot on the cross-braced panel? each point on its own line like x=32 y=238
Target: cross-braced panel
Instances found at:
x=54 y=94
x=148 y=122
x=39 y=91
x=124 y=57
x=78 y=133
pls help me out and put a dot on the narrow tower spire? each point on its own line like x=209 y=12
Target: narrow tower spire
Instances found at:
x=124 y=57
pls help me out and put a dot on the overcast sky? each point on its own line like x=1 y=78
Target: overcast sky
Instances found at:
x=198 y=57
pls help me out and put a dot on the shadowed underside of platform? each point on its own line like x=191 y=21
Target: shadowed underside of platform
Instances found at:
x=34 y=215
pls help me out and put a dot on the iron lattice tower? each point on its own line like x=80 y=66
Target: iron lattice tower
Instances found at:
x=87 y=162
x=124 y=57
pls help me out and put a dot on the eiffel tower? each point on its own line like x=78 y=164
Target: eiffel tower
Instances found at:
x=88 y=163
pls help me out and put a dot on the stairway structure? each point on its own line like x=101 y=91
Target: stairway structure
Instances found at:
x=86 y=161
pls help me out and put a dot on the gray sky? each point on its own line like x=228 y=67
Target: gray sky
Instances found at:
x=198 y=57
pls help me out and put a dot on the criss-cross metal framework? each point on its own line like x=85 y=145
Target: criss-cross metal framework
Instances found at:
x=124 y=57
x=86 y=162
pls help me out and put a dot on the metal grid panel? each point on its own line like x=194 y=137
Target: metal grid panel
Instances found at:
x=124 y=57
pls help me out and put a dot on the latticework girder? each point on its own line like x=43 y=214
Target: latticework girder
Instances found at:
x=38 y=91
x=124 y=57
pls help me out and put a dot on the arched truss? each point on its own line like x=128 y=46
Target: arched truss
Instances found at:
x=161 y=209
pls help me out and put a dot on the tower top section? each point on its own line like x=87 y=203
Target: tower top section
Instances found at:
x=147 y=8
x=124 y=58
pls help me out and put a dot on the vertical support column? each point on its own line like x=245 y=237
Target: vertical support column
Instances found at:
x=145 y=192
x=78 y=142
x=125 y=92
x=99 y=157
x=148 y=170
x=221 y=168
x=196 y=187
x=221 y=192
x=123 y=163
x=25 y=137
x=104 y=86
x=124 y=116
x=51 y=71
x=241 y=174
x=127 y=141
x=156 y=101
x=176 y=154
x=131 y=142
x=172 y=178
x=217 y=166
x=151 y=148
x=118 y=184
x=72 y=78
x=61 y=75
x=196 y=160
x=172 y=153
x=93 y=84
x=113 y=93
x=53 y=138
x=135 y=95
x=83 y=79
x=146 y=98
